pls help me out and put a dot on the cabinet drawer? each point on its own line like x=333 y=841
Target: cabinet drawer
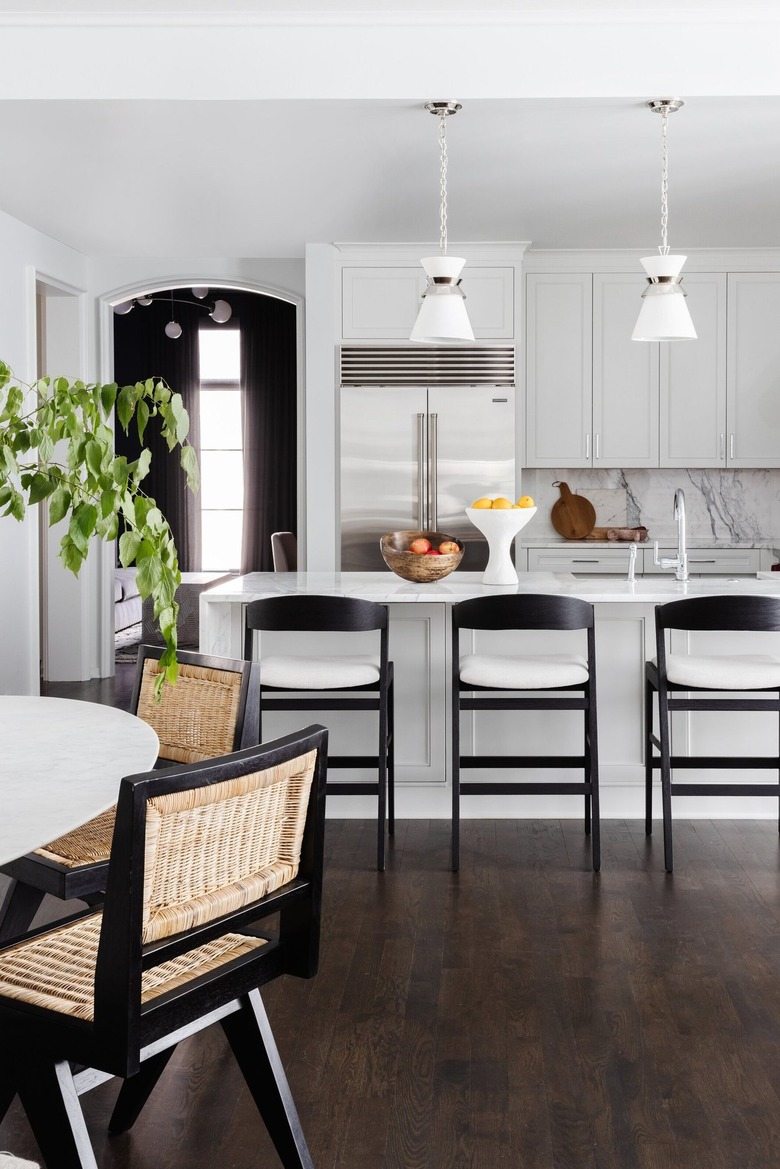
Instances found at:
x=709 y=561
x=579 y=560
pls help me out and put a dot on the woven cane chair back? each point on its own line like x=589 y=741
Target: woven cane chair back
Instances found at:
x=213 y=850
x=195 y=719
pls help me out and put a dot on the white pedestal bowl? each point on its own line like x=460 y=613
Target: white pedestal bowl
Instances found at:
x=499 y=528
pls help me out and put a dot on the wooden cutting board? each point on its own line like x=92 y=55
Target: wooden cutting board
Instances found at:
x=573 y=516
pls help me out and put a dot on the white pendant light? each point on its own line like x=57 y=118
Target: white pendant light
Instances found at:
x=664 y=314
x=442 y=318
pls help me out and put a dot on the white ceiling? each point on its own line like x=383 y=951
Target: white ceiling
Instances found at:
x=262 y=177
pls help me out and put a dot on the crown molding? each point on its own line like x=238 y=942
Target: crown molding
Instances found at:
x=388 y=253
x=627 y=260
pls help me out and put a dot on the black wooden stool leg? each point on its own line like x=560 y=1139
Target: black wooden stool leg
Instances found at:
x=19 y=907
x=51 y=1102
x=7 y=1092
x=588 y=761
x=251 y=1039
x=455 y=776
x=391 y=757
x=593 y=772
x=136 y=1090
x=649 y=688
x=666 y=776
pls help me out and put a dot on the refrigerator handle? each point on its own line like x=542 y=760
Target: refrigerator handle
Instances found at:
x=433 y=468
x=420 y=472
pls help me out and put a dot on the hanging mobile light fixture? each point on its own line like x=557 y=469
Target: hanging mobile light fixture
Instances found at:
x=664 y=315
x=219 y=310
x=442 y=317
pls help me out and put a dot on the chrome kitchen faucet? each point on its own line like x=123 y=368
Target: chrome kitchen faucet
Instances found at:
x=679 y=562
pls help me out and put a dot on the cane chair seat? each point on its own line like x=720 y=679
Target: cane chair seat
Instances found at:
x=319 y=673
x=202 y=717
x=57 y=971
x=502 y=672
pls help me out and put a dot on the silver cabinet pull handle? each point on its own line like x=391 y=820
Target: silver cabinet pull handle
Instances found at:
x=731 y=446
x=598 y=436
x=587 y=446
x=722 y=445
x=584 y=562
x=693 y=560
x=433 y=477
x=421 y=472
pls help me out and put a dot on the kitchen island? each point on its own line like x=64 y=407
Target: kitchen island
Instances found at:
x=419 y=646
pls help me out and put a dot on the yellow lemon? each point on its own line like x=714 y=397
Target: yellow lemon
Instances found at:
x=501 y=502
x=483 y=502
x=525 y=501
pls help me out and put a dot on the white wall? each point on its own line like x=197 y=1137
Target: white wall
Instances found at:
x=25 y=254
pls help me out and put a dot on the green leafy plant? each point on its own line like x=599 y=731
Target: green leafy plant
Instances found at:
x=57 y=444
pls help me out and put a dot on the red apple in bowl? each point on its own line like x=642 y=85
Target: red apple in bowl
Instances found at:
x=447 y=547
x=433 y=552
x=420 y=545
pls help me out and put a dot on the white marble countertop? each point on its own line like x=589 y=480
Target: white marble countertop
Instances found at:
x=459 y=586
x=61 y=764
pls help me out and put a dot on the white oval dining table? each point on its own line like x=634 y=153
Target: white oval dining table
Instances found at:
x=61 y=761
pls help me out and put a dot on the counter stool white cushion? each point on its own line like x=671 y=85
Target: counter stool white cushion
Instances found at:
x=298 y=673
x=724 y=671
x=689 y=682
x=500 y=681
x=501 y=672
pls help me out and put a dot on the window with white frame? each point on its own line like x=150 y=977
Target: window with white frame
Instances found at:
x=221 y=449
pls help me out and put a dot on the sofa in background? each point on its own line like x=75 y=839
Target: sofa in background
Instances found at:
x=127 y=601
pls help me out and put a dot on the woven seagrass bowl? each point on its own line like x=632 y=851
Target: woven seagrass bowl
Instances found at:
x=417 y=566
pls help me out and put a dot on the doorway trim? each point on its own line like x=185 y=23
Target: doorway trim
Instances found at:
x=105 y=303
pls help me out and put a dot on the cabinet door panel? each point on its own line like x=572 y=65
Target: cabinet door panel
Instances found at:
x=693 y=381
x=753 y=395
x=382 y=303
x=558 y=370
x=625 y=377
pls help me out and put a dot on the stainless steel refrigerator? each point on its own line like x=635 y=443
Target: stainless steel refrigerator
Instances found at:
x=416 y=457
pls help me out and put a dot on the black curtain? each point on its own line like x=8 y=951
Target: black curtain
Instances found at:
x=142 y=350
x=269 y=405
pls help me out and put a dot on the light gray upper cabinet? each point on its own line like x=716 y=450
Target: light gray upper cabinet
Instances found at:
x=693 y=381
x=753 y=386
x=595 y=398
x=591 y=392
x=559 y=369
x=381 y=303
x=625 y=377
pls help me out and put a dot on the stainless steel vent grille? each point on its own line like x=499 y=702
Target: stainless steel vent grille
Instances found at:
x=417 y=365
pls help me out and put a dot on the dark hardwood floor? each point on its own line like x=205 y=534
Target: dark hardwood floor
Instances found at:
x=525 y=1013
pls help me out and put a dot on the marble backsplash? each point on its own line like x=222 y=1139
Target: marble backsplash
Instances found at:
x=731 y=506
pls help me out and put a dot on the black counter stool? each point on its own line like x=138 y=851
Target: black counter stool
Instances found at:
x=363 y=683
x=694 y=674
x=483 y=675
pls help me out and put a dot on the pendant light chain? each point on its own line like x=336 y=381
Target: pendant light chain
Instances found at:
x=443 y=183
x=664 y=183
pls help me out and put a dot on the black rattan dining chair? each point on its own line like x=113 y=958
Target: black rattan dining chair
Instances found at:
x=201 y=854
x=340 y=683
x=522 y=681
x=210 y=711
x=699 y=677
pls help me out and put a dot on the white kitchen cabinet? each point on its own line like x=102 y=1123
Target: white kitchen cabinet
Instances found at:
x=381 y=303
x=625 y=377
x=559 y=369
x=591 y=392
x=753 y=378
x=585 y=559
x=693 y=381
x=582 y=560
x=707 y=561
